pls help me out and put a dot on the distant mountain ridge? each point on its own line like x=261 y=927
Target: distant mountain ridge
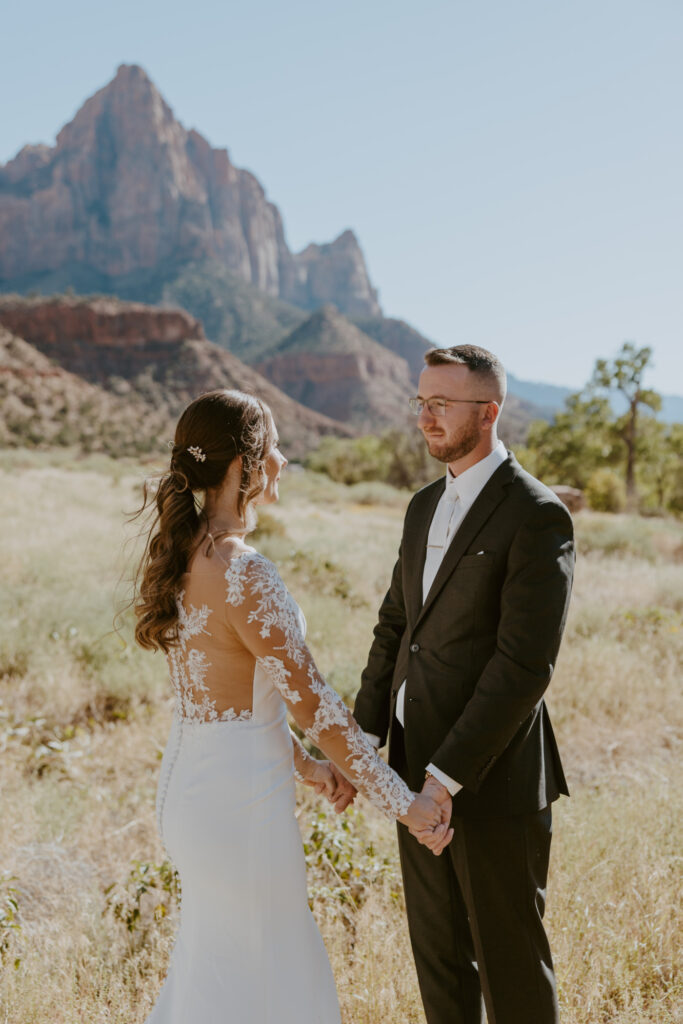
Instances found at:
x=550 y=398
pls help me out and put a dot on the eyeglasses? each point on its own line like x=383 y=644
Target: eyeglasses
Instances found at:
x=437 y=406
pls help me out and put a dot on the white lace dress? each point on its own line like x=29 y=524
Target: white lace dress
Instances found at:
x=248 y=950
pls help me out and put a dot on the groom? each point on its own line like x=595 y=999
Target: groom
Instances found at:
x=464 y=649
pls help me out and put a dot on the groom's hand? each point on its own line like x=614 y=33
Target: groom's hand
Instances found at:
x=432 y=787
x=345 y=793
x=440 y=837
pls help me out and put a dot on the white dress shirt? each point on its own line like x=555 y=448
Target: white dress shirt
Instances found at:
x=458 y=497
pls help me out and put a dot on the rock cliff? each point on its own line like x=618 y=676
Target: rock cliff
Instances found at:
x=152 y=359
x=128 y=191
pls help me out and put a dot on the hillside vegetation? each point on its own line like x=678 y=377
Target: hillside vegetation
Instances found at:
x=88 y=904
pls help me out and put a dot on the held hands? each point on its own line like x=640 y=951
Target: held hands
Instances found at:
x=429 y=815
x=326 y=779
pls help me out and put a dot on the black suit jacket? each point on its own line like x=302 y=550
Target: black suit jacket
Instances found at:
x=478 y=655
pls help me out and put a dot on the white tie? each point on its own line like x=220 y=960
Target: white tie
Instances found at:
x=439 y=537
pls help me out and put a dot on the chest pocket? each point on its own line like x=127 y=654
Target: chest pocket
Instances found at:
x=475 y=561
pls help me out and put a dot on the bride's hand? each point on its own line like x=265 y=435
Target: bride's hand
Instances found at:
x=320 y=777
x=326 y=779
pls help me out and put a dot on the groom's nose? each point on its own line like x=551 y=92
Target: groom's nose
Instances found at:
x=425 y=416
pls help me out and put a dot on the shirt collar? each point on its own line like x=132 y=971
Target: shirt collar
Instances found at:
x=468 y=484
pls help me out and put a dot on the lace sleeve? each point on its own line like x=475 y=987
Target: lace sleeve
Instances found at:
x=262 y=613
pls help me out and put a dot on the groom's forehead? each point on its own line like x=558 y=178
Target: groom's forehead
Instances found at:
x=444 y=379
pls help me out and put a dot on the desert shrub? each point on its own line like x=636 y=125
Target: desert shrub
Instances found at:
x=349 y=461
x=644 y=538
x=605 y=491
x=9 y=919
x=143 y=899
x=343 y=864
x=396 y=457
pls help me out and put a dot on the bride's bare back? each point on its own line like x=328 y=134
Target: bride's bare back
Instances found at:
x=236 y=616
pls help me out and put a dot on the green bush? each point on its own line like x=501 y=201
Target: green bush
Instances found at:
x=605 y=491
x=396 y=457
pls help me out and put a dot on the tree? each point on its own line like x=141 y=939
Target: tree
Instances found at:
x=580 y=440
x=625 y=375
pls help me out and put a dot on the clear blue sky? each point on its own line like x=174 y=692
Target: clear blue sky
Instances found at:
x=513 y=170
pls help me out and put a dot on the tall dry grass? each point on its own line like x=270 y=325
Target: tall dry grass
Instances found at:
x=87 y=905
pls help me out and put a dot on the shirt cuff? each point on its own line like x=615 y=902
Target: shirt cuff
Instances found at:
x=451 y=785
x=375 y=740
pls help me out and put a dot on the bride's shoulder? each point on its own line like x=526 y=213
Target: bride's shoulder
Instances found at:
x=247 y=571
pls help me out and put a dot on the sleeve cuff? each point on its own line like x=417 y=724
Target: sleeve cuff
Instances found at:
x=451 y=785
x=375 y=740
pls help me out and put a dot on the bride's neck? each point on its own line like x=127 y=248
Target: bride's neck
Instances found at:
x=221 y=512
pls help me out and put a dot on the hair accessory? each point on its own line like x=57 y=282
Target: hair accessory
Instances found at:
x=197 y=453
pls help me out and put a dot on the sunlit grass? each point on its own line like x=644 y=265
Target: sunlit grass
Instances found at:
x=84 y=716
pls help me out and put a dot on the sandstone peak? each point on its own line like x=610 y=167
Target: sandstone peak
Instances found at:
x=328 y=330
x=128 y=190
x=329 y=365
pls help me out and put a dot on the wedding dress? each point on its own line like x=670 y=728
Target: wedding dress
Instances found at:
x=248 y=950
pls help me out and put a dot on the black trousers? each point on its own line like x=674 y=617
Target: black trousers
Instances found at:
x=475 y=916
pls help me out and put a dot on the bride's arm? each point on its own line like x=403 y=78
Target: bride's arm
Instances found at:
x=321 y=776
x=262 y=614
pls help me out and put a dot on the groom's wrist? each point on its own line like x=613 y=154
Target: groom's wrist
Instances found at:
x=444 y=780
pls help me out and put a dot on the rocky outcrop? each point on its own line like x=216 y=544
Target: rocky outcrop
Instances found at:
x=43 y=405
x=155 y=360
x=334 y=273
x=127 y=190
x=101 y=338
x=329 y=365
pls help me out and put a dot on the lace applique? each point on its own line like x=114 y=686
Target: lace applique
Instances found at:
x=279 y=675
x=275 y=608
x=331 y=710
x=264 y=614
x=391 y=795
x=188 y=668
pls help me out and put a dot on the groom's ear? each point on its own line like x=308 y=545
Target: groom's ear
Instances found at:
x=491 y=412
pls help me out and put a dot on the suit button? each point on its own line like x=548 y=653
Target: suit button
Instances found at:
x=414 y=648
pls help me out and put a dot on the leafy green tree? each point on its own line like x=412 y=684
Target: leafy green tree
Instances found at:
x=660 y=465
x=624 y=374
x=579 y=440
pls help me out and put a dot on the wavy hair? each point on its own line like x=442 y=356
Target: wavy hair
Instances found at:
x=218 y=426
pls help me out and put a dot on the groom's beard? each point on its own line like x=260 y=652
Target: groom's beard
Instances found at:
x=450 y=449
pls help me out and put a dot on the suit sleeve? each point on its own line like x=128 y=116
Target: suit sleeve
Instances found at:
x=373 y=702
x=534 y=603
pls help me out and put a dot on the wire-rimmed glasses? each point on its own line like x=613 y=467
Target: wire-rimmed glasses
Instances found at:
x=437 y=406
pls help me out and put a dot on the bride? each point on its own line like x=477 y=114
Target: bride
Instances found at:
x=247 y=949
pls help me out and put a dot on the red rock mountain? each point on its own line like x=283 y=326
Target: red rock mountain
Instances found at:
x=128 y=190
x=153 y=360
x=330 y=365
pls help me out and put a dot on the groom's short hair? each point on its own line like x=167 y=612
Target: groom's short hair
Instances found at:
x=478 y=360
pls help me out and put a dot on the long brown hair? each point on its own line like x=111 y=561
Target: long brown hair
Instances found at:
x=212 y=431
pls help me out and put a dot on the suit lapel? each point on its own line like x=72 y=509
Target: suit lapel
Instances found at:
x=484 y=505
x=417 y=548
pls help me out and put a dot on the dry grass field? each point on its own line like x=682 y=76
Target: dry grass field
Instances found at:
x=87 y=903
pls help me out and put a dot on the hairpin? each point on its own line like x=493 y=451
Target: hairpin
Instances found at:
x=197 y=453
